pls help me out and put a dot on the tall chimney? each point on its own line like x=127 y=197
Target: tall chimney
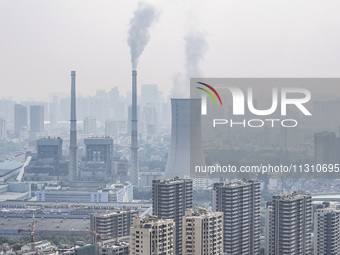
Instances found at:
x=73 y=165
x=186 y=137
x=134 y=142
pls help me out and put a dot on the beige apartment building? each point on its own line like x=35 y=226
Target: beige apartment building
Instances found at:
x=202 y=232
x=152 y=236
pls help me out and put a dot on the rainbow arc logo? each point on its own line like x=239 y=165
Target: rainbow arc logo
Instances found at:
x=209 y=93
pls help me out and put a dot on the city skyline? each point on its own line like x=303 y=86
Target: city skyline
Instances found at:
x=92 y=165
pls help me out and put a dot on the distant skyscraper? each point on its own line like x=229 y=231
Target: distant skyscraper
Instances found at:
x=20 y=118
x=202 y=232
x=36 y=118
x=149 y=95
x=149 y=119
x=240 y=203
x=117 y=105
x=327 y=231
x=90 y=125
x=114 y=128
x=289 y=225
x=53 y=110
x=326 y=148
x=112 y=224
x=152 y=236
x=3 y=128
x=7 y=110
x=170 y=199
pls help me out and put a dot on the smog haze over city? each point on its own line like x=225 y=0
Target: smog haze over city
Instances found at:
x=161 y=127
x=43 y=40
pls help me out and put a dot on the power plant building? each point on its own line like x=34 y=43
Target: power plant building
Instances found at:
x=98 y=163
x=48 y=164
x=49 y=148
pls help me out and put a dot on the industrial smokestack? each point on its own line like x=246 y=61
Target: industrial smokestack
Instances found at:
x=138 y=38
x=73 y=165
x=134 y=142
x=186 y=137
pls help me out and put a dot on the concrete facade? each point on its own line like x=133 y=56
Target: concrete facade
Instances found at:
x=152 y=236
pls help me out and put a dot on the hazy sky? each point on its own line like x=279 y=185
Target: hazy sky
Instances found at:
x=43 y=40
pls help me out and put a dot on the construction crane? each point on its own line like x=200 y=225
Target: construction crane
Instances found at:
x=32 y=233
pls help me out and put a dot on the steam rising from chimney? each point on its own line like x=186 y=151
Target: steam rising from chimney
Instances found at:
x=139 y=34
x=195 y=48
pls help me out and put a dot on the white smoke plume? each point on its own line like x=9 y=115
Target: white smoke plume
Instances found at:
x=195 y=48
x=139 y=34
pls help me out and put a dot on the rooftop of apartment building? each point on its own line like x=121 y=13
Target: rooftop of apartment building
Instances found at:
x=290 y=196
x=170 y=180
x=236 y=183
x=199 y=211
x=145 y=223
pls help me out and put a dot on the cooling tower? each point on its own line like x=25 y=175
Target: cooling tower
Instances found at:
x=73 y=164
x=186 y=137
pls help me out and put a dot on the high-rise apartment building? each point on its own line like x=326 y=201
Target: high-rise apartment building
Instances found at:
x=327 y=231
x=289 y=225
x=20 y=118
x=36 y=118
x=171 y=197
x=152 y=236
x=202 y=232
x=112 y=224
x=240 y=203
